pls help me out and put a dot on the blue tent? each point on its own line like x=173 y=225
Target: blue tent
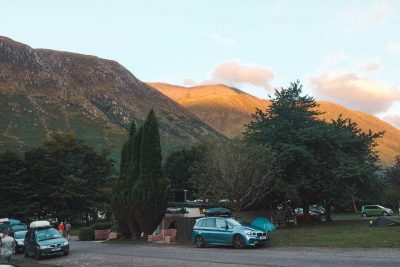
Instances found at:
x=264 y=223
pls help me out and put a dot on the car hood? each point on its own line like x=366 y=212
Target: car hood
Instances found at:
x=252 y=228
x=53 y=241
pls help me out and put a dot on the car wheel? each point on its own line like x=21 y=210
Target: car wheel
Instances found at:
x=37 y=255
x=238 y=242
x=385 y=213
x=364 y=214
x=199 y=241
x=66 y=252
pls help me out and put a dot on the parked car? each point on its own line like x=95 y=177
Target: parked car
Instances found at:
x=299 y=214
x=227 y=231
x=8 y=224
x=317 y=209
x=19 y=237
x=43 y=240
x=375 y=210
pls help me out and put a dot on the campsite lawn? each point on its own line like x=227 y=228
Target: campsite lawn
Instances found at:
x=350 y=233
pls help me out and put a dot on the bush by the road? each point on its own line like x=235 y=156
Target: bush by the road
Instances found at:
x=86 y=234
x=102 y=226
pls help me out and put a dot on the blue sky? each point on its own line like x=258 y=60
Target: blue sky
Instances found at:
x=344 y=51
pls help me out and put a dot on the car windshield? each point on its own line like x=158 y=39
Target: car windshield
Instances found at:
x=237 y=221
x=45 y=234
x=20 y=235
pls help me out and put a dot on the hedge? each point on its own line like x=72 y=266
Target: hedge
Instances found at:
x=102 y=226
x=86 y=234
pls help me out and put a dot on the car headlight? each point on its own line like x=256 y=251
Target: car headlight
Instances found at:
x=249 y=233
x=65 y=243
x=44 y=247
x=21 y=243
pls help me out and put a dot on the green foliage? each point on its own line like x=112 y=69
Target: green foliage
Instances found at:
x=86 y=234
x=241 y=173
x=151 y=188
x=321 y=161
x=178 y=167
x=102 y=226
x=392 y=179
x=139 y=198
x=64 y=178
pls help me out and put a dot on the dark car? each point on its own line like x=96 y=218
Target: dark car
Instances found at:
x=19 y=238
x=43 y=240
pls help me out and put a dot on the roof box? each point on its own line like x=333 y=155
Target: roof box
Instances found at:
x=39 y=224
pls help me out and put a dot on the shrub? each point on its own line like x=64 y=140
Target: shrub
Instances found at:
x=86 y=234
x=102 y=226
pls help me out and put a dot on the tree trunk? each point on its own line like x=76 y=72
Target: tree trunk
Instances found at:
x=354 y=205
x=328 y=206
x=306 y=211
x=134 y=228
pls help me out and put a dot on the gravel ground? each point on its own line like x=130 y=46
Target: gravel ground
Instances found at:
x=104 y=254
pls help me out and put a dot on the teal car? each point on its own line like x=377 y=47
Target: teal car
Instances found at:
x=227 y=231
x=375 y=210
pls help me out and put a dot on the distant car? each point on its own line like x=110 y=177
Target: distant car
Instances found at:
x=299 y=213
x=317 y=209
x=227 y=231
x=375 y=210
x=43 y=240
x=19 y=237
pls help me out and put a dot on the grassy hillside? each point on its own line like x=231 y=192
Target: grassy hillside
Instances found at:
x=228 y=110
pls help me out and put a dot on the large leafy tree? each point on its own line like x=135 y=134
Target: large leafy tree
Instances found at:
x=321 y=161
x=393 y=185
x=70 y=179
x=235 y=171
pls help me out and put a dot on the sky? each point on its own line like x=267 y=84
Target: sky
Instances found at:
x=343 y=51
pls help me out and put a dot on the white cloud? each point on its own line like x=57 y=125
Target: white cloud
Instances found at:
x=393 y=120
x=234 y=74
x=222 y=40
x=393 y=47
x=355 y=92
x=369 y=65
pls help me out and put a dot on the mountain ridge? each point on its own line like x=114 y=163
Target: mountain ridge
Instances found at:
x=228 y=112
x=43 y=90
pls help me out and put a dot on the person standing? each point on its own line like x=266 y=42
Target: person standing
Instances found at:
x=7 y=245
x=67 y=230
x=61 y=228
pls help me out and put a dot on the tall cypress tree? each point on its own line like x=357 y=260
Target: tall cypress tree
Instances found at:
x=151 y=188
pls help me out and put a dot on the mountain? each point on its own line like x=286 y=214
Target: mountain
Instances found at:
x=44 y=90
x=228 y=109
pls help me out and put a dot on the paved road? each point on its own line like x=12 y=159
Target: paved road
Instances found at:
x=103 y=254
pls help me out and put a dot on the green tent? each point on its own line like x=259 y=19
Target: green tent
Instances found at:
x=264 y=223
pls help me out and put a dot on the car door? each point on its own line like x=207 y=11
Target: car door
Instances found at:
x=375 y=210
x=224 y=235
x=210 y=232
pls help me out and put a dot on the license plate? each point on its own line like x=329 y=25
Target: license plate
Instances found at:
x=263 y=237
x=56 y=249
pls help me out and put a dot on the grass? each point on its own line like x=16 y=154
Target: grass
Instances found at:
x=338 y=234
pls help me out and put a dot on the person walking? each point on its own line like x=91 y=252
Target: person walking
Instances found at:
x=67 y=230
x=61 y=228
x=7 y=245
